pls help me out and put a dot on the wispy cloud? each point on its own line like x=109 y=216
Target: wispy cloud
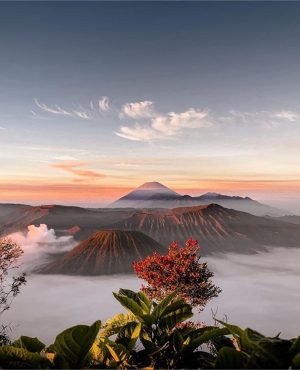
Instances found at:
x=143 y=109
x=54 y=110
x=58 y=110
x=39 y=116
x=2 y=128
x=104 y=104
x=287 y=115
x=74 y=168
x=263 y=118
x=160 y=126
x=40 y=148
x=82 y=114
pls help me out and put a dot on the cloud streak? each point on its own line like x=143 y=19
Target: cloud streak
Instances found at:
x=287 y=115
x=57 y=110
x=264 y=118
x=72 y=167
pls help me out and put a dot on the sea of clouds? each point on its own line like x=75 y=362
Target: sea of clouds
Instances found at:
x=260 y=291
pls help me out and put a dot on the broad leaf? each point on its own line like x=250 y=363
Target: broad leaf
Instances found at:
x=205 y=337
x=74 y=344
x=113 y=325
x=140 y=298
x=160 y=308
x=296 y=362
x=19 y=358
x=144 y=299
x=130 y=304
x=170 y=320
x=229 y=358
x=177 y=341
x=129 y=334
x=295 y=347
x=29 y=343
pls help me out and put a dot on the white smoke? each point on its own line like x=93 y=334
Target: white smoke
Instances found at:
x=40 y=245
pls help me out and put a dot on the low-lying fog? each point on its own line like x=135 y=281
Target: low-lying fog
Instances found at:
x=261 y=291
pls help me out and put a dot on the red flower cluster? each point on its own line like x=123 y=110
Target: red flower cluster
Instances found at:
x=179 y=268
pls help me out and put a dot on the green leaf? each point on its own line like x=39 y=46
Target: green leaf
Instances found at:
x=177 y=341
x=146 y=302
x=229 y=358
x=174 y=306
x=160 y=308
x=248 y=339
x=19 y=358
x=295 y=347
x=263 y=351
x=222 y=341
x=130 y=304
x=29 y=343
x=296 y=362
x=170 y=320
x=129 y=335
x=74 y=344
x=117 y=322
x=205 y=337
x=140 y=298
x=135 y=336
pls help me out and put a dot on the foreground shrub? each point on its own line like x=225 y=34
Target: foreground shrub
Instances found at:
x=179 y=268
x=10 y=286
x=153 y=335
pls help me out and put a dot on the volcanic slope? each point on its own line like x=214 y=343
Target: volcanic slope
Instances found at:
x=105 y=252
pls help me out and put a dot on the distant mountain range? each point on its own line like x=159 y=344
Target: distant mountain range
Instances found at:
x=105 y=252
x=218 y=229
x=65 y=220
x=111 y=238
x=156 y=195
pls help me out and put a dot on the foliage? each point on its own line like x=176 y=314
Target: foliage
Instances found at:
x=179 y=268
x=10 y=252
x=155 y=336
x=72 y=346
x=255 y=351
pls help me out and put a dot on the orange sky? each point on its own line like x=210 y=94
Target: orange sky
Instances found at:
x=97 y=194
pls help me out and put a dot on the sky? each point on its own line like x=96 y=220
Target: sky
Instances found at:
x=97 y=98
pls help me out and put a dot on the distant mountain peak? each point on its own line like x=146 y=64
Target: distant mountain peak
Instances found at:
x=211 y=194
x=153 y=185
x=148 y=191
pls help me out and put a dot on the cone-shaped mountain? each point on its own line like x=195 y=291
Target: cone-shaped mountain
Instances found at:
x=105 y=252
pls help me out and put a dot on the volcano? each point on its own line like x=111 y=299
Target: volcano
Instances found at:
x=145 y=195
x=105 y=252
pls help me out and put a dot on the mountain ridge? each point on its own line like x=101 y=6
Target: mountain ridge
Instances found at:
x=157 y=195
x=217 y=228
